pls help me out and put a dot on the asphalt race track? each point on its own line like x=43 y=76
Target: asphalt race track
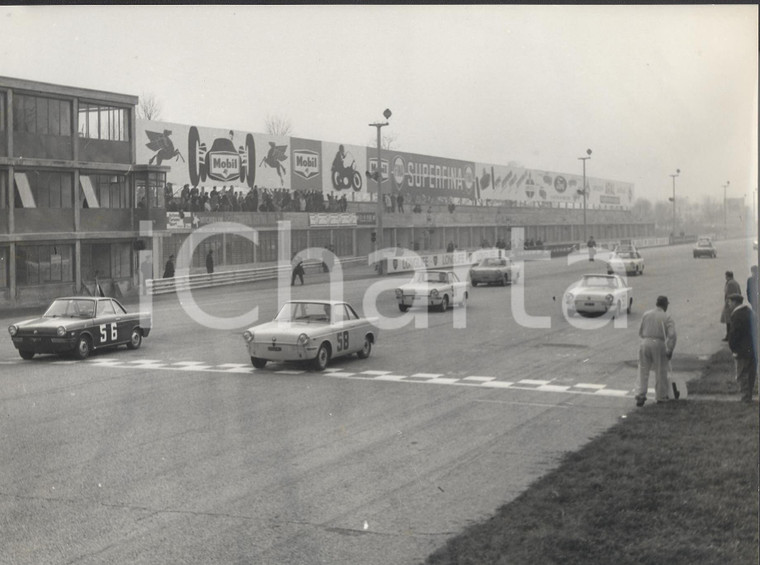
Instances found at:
x=181 y=452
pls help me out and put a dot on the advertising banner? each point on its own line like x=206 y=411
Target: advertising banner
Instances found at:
x=422 y=175
x=530 y=187
x=326 y=219
x=344 y=171
x=436 y=261
x=208 y=157
x=307 y=164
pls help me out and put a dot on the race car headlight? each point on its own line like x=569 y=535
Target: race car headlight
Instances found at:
x=434 y=293
x=60 y=331
x=399 y=293
x=609 y=298
x=12 y=330
x=569 y=298
x=248 y=336
x=303 y=339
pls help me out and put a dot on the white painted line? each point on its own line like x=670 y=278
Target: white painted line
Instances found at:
x=289 y=372
x=499 y=384
x=591 y=386
x=387 y=377
x=442 y=381
x=553 y=388
x=238 y=370
x=379 y=373
x=341 y=374
x=480 y=379
x=234 y=365
x=427 y=375
x=611 y=392
x=532 y=382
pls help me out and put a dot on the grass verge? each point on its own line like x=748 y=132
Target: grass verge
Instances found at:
x=672 y=483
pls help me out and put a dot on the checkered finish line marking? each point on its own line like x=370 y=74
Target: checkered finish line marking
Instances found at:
x=475 y=381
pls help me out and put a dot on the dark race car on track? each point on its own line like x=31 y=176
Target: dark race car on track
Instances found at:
x=76 y=325
x=704 y=248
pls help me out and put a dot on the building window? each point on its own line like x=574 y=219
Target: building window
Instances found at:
x=41 y=189
x=106 y=260
x=150 y=192
x=3 y=188
x=3 y=267
x=103 y=122
x=42 y=116
x=103 y=191
x=43 y=264
x=3 y=113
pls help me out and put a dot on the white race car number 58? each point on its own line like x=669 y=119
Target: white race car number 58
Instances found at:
x=104 y=335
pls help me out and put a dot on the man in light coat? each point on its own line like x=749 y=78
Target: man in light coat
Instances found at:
x=658 y=340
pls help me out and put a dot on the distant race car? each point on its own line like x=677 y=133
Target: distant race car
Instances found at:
x=596 y=294
x=705 y=248
x=494 y=270
x=77 y=325
x=625 y=262
x=438 y=289
x=311 y=330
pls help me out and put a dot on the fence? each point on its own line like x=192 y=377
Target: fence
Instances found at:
x=223 y=278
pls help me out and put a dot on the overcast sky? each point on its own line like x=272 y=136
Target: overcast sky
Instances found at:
x=648 y=88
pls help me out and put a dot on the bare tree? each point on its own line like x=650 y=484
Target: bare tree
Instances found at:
x=278 y=125
x=149 y=107
x=388 y=141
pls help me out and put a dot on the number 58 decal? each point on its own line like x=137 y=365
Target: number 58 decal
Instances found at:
x=342 y=338
x=104 y=335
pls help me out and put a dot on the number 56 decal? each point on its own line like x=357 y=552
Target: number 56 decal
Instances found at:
x=104 y=335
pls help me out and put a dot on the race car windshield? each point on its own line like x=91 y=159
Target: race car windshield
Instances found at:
x=71 y=309
x=493 y=263
x=430 y=277
x=304 y=312
x=607 y=282
x=627 y=255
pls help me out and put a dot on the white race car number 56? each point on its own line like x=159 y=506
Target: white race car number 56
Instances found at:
x=104 y=335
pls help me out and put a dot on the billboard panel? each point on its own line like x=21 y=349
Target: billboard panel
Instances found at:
x=432 y=177
x=344 y=171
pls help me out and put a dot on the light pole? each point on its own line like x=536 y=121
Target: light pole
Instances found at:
x=378 y=174
x=725 y=221
x=673 y=200
x=584 y=192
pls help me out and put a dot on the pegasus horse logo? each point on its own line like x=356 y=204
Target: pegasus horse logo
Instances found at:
x=162 y=144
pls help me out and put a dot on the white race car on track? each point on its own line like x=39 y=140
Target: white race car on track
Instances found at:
x=625 y=262
x=437 y=289
x=311 y=330
x=597 y=294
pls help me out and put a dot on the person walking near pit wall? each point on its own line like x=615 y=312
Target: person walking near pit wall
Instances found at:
x=752 y=288
x=658 y=340
x=169 y=268
x=591 y=248
x=210 y=262
x=731 y=287
x=741 y=340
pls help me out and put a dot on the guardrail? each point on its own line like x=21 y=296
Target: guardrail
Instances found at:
x=239 y=276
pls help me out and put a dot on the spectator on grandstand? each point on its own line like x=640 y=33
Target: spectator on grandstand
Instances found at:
x=400 y=203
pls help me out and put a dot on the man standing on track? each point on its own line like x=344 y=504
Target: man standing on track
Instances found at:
x=658 y=340
x=741 y=340
x=731 y=287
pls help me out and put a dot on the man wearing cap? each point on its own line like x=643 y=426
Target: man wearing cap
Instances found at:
x=741 y=340
x=658 y=340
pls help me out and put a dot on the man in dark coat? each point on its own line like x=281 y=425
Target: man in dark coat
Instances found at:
x=741 y=340
x=731 y=287
x=169 y=267
x=752 y=288
x=210 y=261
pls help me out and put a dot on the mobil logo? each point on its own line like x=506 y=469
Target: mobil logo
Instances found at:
x=224 y=166
x=306 y=163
